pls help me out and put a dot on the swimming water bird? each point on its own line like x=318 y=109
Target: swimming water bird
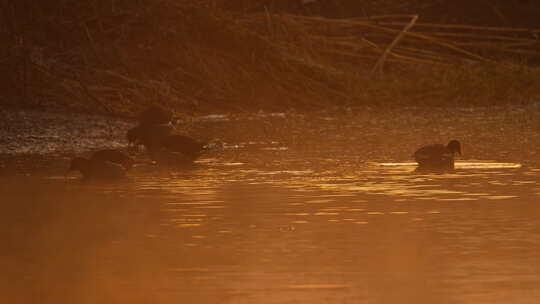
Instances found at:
x=190 y=148
x=155 y=133
x=155 y=115
x=437 y=157
x=113 y=156
x=148 y=135
x=97 y=169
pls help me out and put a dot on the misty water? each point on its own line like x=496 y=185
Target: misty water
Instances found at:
x=279 y=230
x=319 y=210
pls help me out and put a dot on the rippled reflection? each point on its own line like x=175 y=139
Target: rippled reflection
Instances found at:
x=461 y=165
x=282 y=230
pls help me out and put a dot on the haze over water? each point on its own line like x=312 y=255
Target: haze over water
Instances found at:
x=285 y=229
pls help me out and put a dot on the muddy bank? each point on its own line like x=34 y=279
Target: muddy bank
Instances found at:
x=31 y=141
x=36 y=141
x=38 y=132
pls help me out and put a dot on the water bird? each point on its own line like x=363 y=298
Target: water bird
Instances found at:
x=148 y=135
x=97 y=169
x=190 y=148
x=437 y=157
x=155 y=115
x=113 y=156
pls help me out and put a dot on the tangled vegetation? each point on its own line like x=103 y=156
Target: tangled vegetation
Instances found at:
x=117 y=56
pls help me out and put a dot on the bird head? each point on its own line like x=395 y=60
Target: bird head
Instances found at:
x=454 y=146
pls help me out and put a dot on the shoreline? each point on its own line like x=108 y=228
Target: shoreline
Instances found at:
x=505 y=133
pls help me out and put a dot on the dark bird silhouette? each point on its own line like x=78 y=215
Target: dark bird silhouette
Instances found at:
x=190 y=148
x=155 y=115
x=97 y=169
x=113 y=156
x=148 y=135
x=437 y=157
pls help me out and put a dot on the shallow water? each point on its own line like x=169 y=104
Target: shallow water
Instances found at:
x=275 y=228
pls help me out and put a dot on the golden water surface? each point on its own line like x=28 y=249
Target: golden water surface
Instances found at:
x=275 y=230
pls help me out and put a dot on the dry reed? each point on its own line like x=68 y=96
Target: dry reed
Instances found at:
x=196 y=57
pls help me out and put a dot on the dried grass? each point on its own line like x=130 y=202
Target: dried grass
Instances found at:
x=196 y=57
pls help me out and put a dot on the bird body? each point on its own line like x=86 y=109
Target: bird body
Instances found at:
x=155 y=133
x=97 y=169
x=189 y=147
x=159 y=139
x=113 y=156
x=148 y=135
x=154 y=124
x=437 y=156
x=155 y=115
